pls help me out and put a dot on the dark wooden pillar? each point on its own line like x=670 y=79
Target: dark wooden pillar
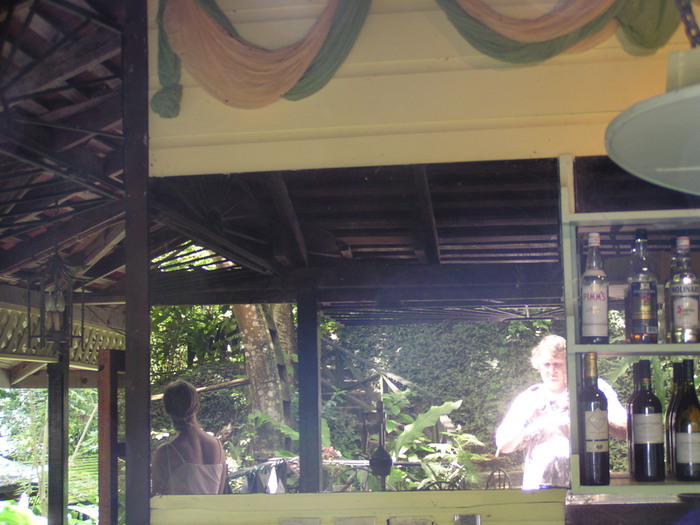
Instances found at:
x=58 y=405
x=309 y=392
x=137 y=380
x=110 y=363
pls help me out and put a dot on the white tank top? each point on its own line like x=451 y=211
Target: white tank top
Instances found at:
x=193 y=478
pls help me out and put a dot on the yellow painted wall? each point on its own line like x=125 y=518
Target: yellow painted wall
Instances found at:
x=411 y=91
x=545 y=507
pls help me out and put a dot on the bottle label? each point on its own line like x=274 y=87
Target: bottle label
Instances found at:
x=642 y=296
x=684 y=298
x=687 y=447
x=594 y=310
x=596 y=430
x=648 y=428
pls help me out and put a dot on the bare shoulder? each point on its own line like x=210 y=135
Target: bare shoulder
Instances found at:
x=212 y=448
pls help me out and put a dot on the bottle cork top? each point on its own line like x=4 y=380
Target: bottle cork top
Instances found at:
x=594 y=239
x=683 y=243
x=590 y=364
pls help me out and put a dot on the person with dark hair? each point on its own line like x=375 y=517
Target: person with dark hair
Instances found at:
x=193 y=462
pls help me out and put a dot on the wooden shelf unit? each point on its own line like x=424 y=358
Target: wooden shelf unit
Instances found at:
x=664 y=225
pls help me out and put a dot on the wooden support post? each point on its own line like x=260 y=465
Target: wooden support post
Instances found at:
x=110 y=363
x=309 y=392
x=58 y=436
x=137 y=379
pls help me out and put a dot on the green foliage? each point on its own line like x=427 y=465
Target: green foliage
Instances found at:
x=412 y=433
x=184 y=336
x=13 y=514
x=455 y=462
x=342 y=426
x=488 y=362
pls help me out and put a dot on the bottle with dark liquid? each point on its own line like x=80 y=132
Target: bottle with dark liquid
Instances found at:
x=687 y=427
x=682 y=297
x=628 y=406
x=641 y=315
x=670 y=419
x=594 y=447
x=594 y=296
x=647 y=430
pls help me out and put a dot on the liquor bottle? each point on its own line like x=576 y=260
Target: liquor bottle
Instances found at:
x=594 y=296
x=665 y=310
x=594 y=448
x=682 y=292
x=648 y=430
x=670 y=419
x=687 y=427
x=641 y=315
x=628 y=406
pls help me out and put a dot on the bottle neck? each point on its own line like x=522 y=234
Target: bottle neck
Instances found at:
x=590 y=370
x=590 y=381
x=683 y=260
x=594 y=261
x=688 y=381
x=640 y=250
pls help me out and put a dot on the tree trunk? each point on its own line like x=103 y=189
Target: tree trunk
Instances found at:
x=262 y=370
x=285 y=340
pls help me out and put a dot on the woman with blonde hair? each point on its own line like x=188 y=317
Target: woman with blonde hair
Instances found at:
x=193 y=462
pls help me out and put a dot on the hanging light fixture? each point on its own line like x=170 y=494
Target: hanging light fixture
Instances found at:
x=658 y=139
x=55 y=283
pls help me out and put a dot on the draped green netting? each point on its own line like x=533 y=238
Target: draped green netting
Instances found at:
x=166 y=101
x=347 y=23
x=649 y=23
x=646 y=23
x=346 y=26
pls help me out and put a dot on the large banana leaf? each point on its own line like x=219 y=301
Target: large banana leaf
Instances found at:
x=427 y=419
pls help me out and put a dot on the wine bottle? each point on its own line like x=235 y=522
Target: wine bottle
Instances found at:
x=687 y=427
x=648 y=430
x=682 y=297
x=594 y=447
x=630 y=401
x=641 y=315
x=670 y=419
x=594 y=296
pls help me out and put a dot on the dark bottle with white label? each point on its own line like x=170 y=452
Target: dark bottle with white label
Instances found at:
x=594 y=446
x=670 y=417
x=628 y=406
x=687 y=427
x=647 y=429
x=682 y=294
x=594 y=296
x=641 y=315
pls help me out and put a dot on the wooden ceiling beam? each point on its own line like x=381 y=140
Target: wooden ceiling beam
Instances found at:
x=22 y=371
x=43 y=245
x=288 y=227
x=211 y=240
x=429 y=245
x=66 y=62
x=102 y=245
x=376 y=283
x=68 y=165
